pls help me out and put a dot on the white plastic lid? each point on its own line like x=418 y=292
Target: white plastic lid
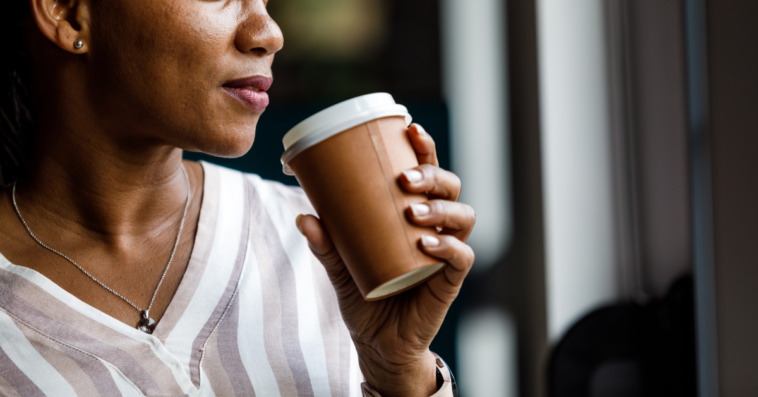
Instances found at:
x=336 y=119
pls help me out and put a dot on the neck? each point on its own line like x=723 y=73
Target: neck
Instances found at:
x=81 y=179
x=95 y=168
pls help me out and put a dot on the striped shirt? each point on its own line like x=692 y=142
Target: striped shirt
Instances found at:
x=254 y=314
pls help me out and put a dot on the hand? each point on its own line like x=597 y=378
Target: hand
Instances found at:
x=393 y=335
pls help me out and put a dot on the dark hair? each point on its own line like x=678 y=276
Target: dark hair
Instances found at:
x=16 y=102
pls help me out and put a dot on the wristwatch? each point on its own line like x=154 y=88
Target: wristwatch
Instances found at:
x=446 y=386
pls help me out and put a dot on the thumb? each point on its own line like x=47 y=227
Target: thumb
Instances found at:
x=321 y=245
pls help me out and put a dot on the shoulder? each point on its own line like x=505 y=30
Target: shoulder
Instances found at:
x=264 y=192
x=273 y=192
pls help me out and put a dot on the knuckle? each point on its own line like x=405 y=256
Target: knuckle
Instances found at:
x=453 y=258
x=451 y=245
x=457 y=216
x=437 y=207
x=440 y=177
x=456 y=182
x=430 y=175
x=331 y=258
x=471 y=255
x=427 y=169
x=460 y=254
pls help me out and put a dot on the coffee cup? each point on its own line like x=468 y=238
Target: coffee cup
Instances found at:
x=348 y=159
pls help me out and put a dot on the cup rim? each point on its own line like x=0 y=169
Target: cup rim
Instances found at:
x=338 y=118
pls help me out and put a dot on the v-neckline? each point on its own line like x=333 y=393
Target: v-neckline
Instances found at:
x=183 y=291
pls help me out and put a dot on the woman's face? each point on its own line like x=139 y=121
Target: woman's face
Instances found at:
x=187 y=73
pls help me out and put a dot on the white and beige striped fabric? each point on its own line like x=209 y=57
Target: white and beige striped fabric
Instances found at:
x=254 y=315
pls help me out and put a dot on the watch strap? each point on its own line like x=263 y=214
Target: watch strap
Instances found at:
x=446 y=390
x=447 y=378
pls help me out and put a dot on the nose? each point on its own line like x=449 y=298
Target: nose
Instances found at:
x=258 y=33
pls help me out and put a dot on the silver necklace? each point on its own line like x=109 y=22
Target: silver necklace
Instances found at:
x=146 y=324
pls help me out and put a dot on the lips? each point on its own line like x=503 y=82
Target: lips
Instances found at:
x=250 y=91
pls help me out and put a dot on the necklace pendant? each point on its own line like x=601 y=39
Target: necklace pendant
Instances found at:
x=146 y=324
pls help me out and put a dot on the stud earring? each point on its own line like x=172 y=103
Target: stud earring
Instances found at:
x=78 y=44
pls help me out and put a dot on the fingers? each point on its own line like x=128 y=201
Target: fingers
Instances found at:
x=422 y=142
x=456 y=253
x=455 y=218
x=318 y=239
x=433 y=181
x=324 y=250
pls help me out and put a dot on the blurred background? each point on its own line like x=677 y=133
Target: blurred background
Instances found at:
x=609 y=149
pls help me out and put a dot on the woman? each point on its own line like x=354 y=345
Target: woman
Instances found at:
x=126 y=271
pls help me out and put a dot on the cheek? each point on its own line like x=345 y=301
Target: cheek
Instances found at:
x=165 y=64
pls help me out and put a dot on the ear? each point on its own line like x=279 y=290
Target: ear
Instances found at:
x=64 y=22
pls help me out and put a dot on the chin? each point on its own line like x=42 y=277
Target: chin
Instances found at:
x=231 y=143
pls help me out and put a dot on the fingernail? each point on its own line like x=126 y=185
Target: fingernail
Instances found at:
x=297 y=223
x=413 y=176
x=430 y=241
x=421 y=130
x=420 y=209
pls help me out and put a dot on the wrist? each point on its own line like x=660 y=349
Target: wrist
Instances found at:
x=417 y=377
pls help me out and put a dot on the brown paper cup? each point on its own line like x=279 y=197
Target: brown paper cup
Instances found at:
x=351 y=179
